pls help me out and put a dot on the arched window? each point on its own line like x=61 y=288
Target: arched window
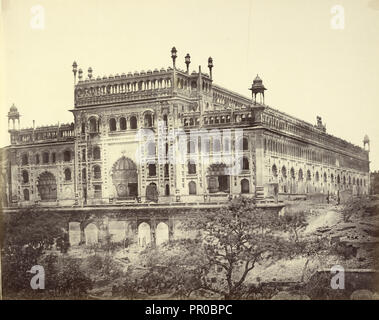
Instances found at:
x=96 y=153
x=83 y=127
x=37 y=158
x=245 y=163
x=112 y=124
x=24 y=159
x=353 y=180
x=308 y=175
x=84 y=174
x=165 y=120
x=191 y=146
x=325 y=177
x=191 y=167
x=338 y=179
x=300 y=174
x=284 y=172
x=133 y=122
x=92 y=125
x=152 y=170
x=148 y=120
x=67 y=174
x=167 y=190
x=245 y=144
x=166 y=170
x=53 y=157
x=332 y=177
x=67 y=155
x=26 y=194
x=192 y=187
x=344 y=180
x=317 y=176
x=349 y=180
x=96 y=172
x=25 y=176
x=245 y=187
x=292 y=172
x=45 y=157
x=122 y=123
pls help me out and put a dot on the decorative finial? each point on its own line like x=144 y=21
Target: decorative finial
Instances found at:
x=80 y=74
x=210 y=66
x=90 y=73
x=173 y=55
x=187 y=60
x=74 y=70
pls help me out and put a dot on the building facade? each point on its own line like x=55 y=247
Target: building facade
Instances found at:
x=170 y=136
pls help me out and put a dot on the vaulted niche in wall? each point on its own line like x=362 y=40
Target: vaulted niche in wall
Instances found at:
x=125 y=178
x=218 y=178
x=47 y=186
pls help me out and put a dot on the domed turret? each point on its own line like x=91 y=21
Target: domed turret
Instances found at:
x=258 y=88
x=13 y=109
x=13 y=115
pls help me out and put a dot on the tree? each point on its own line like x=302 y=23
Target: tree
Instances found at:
x=26 y=237
x=230 y=242
x=356 y=206
x=294 y=221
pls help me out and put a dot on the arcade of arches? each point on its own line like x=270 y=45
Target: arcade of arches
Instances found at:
x=143 y=233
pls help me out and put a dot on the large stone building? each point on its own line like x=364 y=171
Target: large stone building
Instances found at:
x=173 y=137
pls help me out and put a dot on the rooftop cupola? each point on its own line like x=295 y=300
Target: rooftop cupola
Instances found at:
x=257 y=88
x=13 y=115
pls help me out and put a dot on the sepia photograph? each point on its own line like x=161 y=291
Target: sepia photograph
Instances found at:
x=189 y=151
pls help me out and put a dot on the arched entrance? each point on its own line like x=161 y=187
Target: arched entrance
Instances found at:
x=218 y=178
x=91 y=233
x=144 y=236
x=74 y=233
x=152 y=192
x=47 y=186
x=161 y=233
x=125 y=178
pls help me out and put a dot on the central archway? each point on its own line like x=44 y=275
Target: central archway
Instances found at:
x=144 y=236
x=218 y=178
x=47 y=186
x=125 y=178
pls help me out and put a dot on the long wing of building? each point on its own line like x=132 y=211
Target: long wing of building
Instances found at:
x=171 y=136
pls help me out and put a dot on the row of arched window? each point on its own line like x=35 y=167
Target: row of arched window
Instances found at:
x=25 y=175
x=96 y=153
x=241 y=145
x=121 y=123
x=224 y=100
x=45 y=157
x=317 y=177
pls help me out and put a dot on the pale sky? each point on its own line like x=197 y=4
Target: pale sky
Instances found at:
x=308 y=67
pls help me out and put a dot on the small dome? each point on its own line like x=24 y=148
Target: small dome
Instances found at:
x=257 y=79
x=13 y=108
x=366 y=139
x=124 y=164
